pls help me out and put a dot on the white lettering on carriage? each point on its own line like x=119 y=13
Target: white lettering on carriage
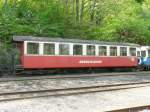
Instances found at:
x=89 y=61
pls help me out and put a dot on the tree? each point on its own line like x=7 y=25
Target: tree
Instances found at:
x=108 y=20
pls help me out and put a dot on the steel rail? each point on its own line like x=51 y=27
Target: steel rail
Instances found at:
x=73 y=76
x=69 y=91
x=132 y=109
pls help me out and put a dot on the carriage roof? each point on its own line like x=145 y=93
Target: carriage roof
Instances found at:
x=58 y=39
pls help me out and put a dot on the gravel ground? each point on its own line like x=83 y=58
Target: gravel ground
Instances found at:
x=95 y=102
x=66 y=83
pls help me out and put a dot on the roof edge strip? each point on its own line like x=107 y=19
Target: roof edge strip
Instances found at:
x=59 y=39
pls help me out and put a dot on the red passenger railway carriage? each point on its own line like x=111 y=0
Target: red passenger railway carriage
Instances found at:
x=47 y=53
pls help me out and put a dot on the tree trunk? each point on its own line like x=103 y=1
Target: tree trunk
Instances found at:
x=82 y=11
x=92 y=10
x=73 y=6
x=77 y=10
x=66 y=6
x=15 y=3
x=5 y=3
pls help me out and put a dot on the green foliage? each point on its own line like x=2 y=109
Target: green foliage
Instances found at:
x=107 y=20
x=140 y=1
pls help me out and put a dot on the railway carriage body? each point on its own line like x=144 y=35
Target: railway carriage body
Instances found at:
x=47 y=53
x=145 y=57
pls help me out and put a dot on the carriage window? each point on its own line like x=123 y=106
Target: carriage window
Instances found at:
x=132 y=51
x=143 y=53
x=32 y=48
x=102 y=50
x=49 y=49
x=90 y=50
x=123 y=51
x=113 y=51
x=64 y=49
x=77 y=50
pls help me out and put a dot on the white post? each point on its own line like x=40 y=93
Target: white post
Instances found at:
x=128 y=51
x=136 y=51
x=84 y=49
x=146 y=53
x=108 y=50
x=118 y=50
x=56 y=48
x=96 y=50
x=25 y=48
x=41 y=48
x=71 y=49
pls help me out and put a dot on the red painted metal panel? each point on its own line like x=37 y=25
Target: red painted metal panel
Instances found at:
x=41 y=62
x=20 y=47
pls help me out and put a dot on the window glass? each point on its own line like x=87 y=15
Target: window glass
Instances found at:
x=32 y=48
x=102 y=50
x=132 y=51
x=143 y=53
x=90 y=50
x=123 y=51
x=113 y=51
x=77 y=49
x=64 y=49
x=49 y=49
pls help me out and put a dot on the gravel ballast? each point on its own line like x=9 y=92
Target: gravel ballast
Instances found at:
x=33 y=85
x=94 y=102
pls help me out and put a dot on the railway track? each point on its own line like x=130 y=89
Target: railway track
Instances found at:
x=20 y=78
x=145 y=108
x=9 y=96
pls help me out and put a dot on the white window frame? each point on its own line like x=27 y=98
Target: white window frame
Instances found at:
x=82 y=48
x=25 y=48
x=54 y=50
x=136 y=50
x=113 y=46
x=126 y=50
x=57 y=49
x=41 y=48
x=90 y=45
x=106 y=50
x=69 y=48
x=118 y=50
x=96 y=50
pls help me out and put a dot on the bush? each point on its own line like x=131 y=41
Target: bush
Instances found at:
x=8 y=59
